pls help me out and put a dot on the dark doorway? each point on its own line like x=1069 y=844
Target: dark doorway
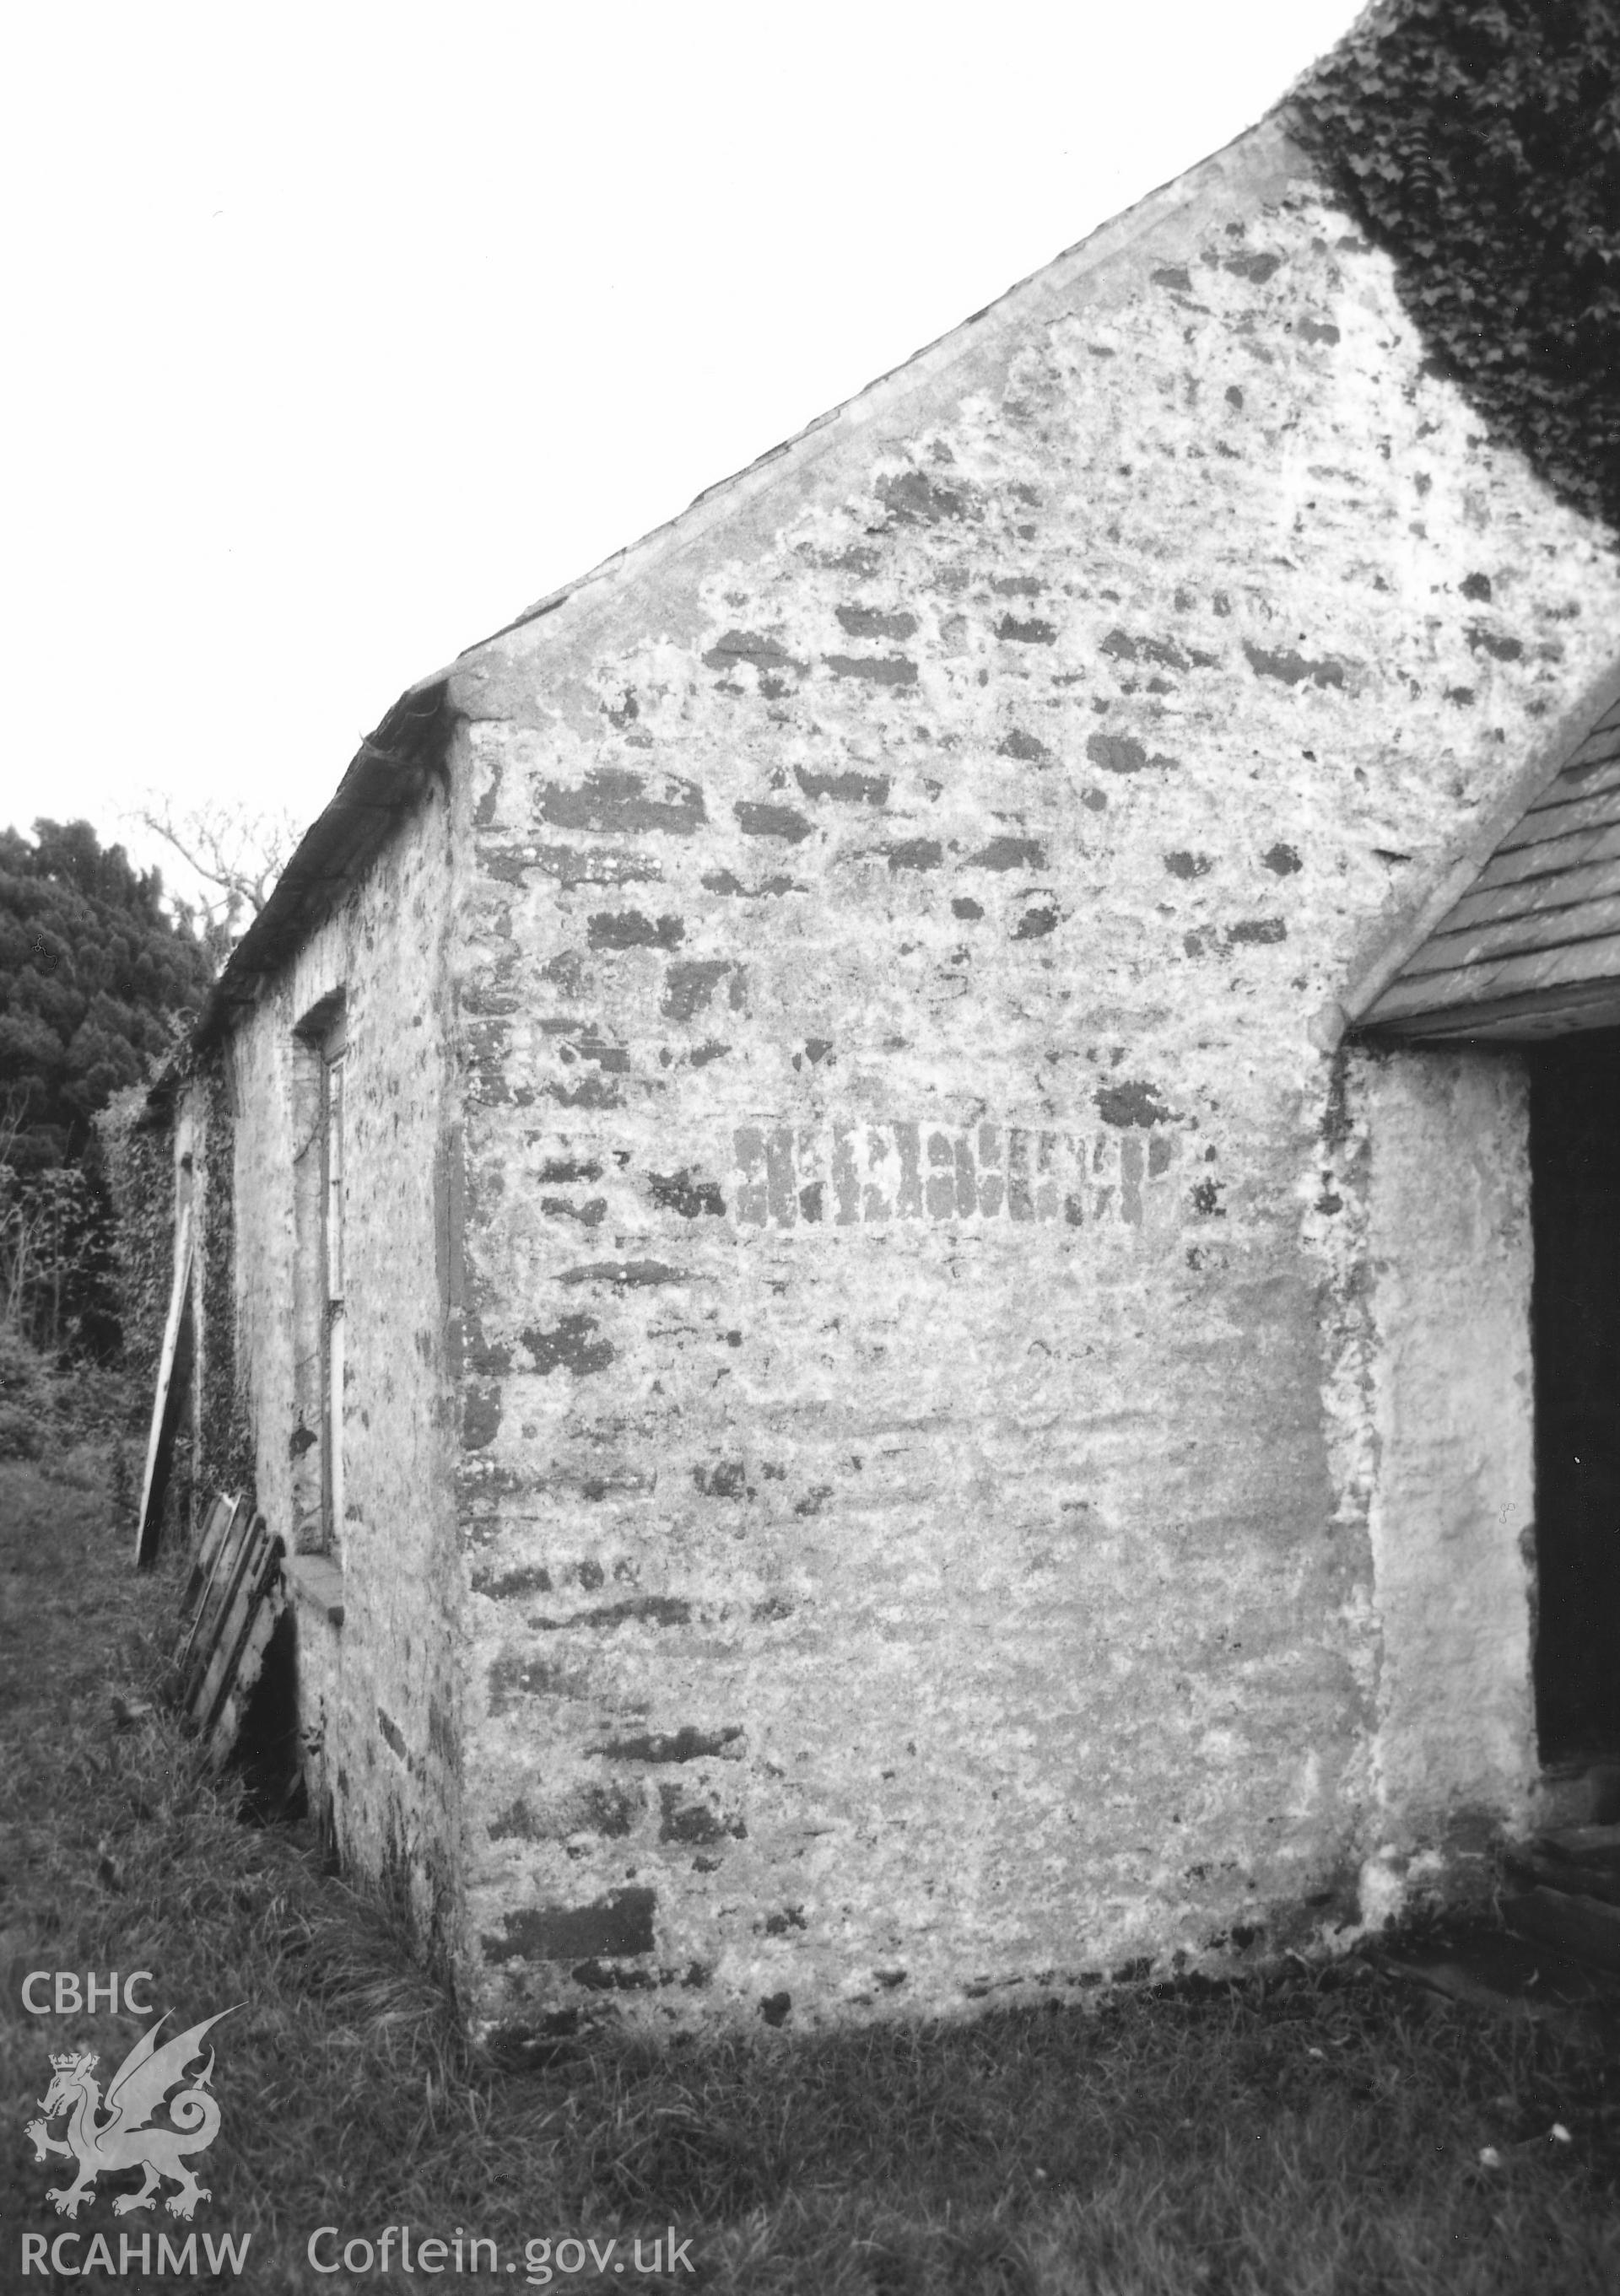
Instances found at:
x=1575 y=1162
x=268 y=1748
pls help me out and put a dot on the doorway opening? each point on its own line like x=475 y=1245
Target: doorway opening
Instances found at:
x=1575 y=1162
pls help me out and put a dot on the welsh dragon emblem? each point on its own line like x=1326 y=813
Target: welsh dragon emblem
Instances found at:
x=117 y=2131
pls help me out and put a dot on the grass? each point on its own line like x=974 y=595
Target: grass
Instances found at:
x=1318 y=2130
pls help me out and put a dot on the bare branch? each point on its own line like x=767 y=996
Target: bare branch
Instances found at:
x=234 y=857
x=13 y=1110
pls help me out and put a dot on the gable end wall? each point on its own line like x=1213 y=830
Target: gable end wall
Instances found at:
x=921 y=1451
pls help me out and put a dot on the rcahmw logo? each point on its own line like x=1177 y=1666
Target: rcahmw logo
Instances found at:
x=119 y=2131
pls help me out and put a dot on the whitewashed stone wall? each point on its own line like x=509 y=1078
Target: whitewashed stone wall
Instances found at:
x=946 y=1513
x=381 y=1694
x=937 y=1473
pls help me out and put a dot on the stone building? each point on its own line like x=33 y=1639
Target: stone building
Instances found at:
x=883 y=1249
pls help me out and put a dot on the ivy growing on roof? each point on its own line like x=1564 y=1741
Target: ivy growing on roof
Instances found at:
x=1478 y=142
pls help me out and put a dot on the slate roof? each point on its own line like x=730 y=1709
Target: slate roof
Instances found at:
x=1532 y=946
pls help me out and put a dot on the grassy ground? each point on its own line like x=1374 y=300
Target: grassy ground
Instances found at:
x=1325 y=2131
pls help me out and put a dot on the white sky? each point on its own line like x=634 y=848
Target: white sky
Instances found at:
x=341 y=333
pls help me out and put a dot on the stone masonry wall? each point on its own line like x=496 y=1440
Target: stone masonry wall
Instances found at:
x=380 y=1695
x=1422 y=1232
x=924 y=1536
x=1453 y=1514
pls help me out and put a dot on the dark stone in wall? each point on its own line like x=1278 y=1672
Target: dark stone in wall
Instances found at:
x=612 y=798
x=625 y=1274
x=690 y=984
x=531 y=1580
x=884 y=669
x=1256 y=268
x=480 y=1417
x=849 y=788
x=871 y=622
x=1133 y=1102
x=694 y=1822
x=620 y=1924
x=772 y=821
x=727 y=1479
x=655 y=1610
x=629 y=929
x=1291 y=668
x=684 y=1745
x=683 y=1194
x=765 y=653
x=568 y=1346
x=915 y=499
x=1009 y=853
x=1117 y=753
x=1499 y=649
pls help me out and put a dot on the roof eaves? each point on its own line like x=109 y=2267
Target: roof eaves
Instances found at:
x=389 y=773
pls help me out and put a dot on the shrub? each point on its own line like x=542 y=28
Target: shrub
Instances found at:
x=51 y=1407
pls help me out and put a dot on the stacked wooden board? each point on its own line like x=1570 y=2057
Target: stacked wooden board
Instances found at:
x=1570 y=1897
x=232 y=1601
x=1533 y=947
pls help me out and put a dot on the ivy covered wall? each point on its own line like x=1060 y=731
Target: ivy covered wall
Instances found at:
x=135 y=1132
x=1479 y=146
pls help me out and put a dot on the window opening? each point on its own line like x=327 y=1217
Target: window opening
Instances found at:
x=319 y=1063
x=333 y=1054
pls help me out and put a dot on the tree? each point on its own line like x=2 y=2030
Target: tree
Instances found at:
x=96 y=983
x=235 y=854
x=1478 y=142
